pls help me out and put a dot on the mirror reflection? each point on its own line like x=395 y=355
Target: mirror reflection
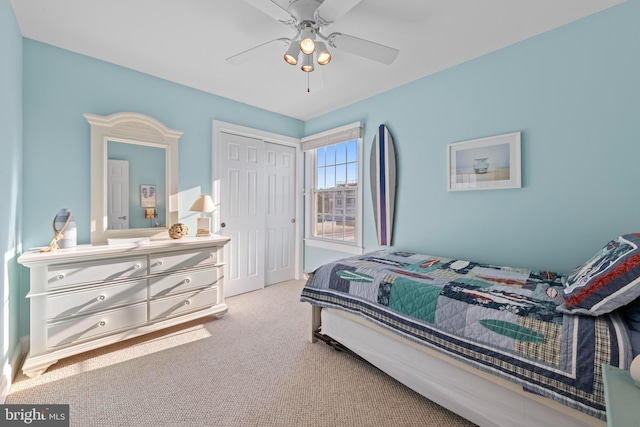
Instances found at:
x=148 y=197
x=136 y=186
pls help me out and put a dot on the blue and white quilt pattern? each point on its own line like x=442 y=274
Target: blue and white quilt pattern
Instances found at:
x=499 y=319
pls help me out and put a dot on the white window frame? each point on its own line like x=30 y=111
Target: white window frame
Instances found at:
x=309 y=145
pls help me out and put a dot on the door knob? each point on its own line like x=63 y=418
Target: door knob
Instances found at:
x=293 y=220
x=223 y=225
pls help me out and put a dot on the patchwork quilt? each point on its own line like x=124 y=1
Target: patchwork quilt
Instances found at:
x=498 y=319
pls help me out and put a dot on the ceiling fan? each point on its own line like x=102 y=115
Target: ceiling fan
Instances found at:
x=308 y=18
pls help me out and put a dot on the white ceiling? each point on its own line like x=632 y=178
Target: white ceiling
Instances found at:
x=187 y=42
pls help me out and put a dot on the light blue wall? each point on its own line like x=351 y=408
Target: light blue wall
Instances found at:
x=10 y=181
x=59 y=86
x=574 y=93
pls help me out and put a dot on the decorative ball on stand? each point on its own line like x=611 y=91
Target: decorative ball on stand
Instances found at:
x=178 y=231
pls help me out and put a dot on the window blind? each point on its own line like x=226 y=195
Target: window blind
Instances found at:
x=334 y=136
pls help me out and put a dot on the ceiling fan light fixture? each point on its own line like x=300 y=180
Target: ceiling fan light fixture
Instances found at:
x=307 y=63
x=307 y=46
x=324 y=56
x=307 y=43
x=291 y=55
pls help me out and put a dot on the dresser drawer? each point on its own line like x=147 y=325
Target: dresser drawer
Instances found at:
x=191 y=301
x=81 y=328
x=163 y=285
x=94 y=299
x=159 y=263
x=96 y=271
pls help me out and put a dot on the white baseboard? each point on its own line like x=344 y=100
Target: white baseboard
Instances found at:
x=10 y=371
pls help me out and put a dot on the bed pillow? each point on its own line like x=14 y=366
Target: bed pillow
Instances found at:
x=609 y=280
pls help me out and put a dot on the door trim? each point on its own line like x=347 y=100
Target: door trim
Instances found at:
x=219 y=127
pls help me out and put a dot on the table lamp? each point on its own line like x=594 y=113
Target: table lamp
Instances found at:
x=203 y=204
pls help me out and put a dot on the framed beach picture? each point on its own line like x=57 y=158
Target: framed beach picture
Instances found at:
x=148 y=196
x=485 y=163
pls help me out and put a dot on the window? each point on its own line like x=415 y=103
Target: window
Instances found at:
x=334 y=189
x=336 y=183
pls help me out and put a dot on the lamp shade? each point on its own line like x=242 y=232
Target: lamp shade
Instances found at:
x=307 y=44
x=323 y=53
x=291 y=56
x=203 y=203
x=307 y=63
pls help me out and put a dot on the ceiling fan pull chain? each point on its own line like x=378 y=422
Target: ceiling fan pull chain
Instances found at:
x=308 y=89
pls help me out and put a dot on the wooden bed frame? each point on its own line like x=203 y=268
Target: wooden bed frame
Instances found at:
x=478 y=396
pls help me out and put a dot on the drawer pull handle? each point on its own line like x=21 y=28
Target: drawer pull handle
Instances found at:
x=102 y=323
x=159 y=263
x=60 y=276
x=187 y=280
x=102 y=298
x=187 y=302
x=137 y=266
x=212 y=255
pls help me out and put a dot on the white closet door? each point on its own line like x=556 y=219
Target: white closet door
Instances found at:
x=242 y=212
x=280 y=179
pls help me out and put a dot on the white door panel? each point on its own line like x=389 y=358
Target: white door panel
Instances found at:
x=280 y=179
x=117 y=194
x=242 y=214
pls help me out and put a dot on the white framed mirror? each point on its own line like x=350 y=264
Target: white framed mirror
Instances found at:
x=134 y=177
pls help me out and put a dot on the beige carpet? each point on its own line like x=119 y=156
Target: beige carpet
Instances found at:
x=252 y=367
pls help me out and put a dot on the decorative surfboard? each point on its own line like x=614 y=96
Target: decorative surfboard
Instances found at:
x=383 y=183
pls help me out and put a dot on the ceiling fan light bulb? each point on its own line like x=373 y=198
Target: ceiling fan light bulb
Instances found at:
x=307 y=46
x=307 y=64
x=324 y=57
x=307 y=43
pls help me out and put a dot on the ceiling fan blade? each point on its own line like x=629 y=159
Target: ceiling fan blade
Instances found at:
x=254 y=52
x=272 y=9
x=365 y=48
x=330 y=10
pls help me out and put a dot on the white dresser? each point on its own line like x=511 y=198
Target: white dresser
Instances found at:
x=91 y=296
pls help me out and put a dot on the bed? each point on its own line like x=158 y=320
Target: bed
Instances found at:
x=498 y=345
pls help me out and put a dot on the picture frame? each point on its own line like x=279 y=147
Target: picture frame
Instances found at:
x=485 y=164
x=147 y=196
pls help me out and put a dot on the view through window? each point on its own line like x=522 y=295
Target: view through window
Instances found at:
x=335 y=191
